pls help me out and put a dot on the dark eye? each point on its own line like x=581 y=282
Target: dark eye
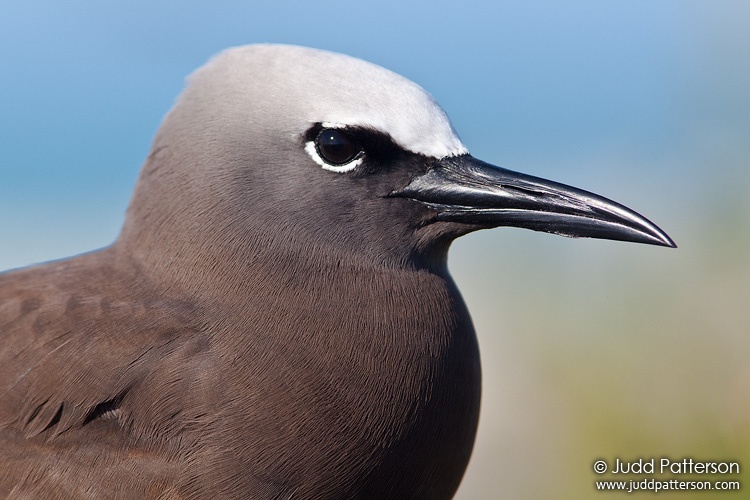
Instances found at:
x=336 y=146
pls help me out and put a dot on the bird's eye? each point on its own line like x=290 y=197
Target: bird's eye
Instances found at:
x=336 y=147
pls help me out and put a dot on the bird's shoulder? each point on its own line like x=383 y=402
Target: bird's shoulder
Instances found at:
x=76 y=337
x=92 y=355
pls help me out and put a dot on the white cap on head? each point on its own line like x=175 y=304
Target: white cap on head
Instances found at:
x=339 y=90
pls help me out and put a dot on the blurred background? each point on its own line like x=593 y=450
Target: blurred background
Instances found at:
x=590 y=349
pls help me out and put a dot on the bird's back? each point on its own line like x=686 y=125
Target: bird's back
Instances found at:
x=77 y=338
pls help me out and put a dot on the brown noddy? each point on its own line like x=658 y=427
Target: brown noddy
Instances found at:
x=276 y=319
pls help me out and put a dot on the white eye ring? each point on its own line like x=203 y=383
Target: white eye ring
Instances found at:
x=312 y=149
x=346 y=167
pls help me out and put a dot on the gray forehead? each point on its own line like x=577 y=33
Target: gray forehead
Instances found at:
x=296 y=87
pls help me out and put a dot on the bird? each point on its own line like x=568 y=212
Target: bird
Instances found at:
x=276 y=319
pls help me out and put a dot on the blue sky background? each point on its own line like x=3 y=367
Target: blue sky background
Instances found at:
x=645 y=102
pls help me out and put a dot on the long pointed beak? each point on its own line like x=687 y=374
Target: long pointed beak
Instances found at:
x=466 y=190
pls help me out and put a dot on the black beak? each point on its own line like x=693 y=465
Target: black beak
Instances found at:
x=466 y=190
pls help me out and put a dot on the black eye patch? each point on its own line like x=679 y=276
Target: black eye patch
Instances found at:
x=340 y=146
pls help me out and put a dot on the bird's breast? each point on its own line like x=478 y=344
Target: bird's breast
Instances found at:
x=365 y=386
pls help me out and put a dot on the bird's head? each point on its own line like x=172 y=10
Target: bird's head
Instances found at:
x=272 y=148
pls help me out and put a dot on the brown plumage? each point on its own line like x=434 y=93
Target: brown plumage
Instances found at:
x=276 y=319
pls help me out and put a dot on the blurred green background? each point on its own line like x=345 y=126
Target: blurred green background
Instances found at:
x=591 y=349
